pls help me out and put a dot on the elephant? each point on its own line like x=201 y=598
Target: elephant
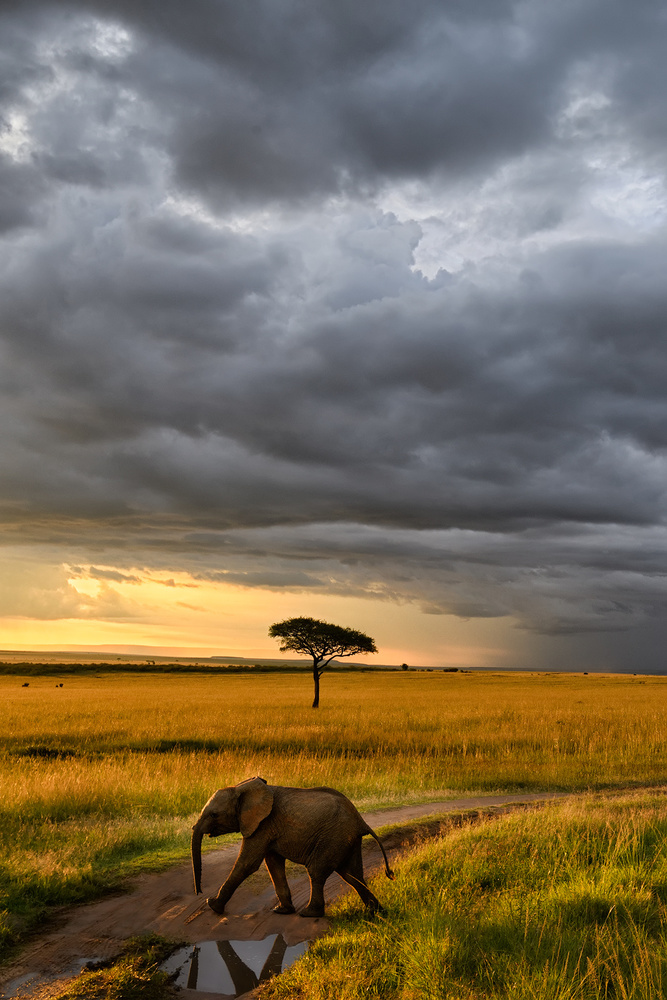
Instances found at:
x=315 y=827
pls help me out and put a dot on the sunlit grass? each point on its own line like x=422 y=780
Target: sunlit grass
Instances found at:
x=105 y=774
x=566 y=903
x=448 y=730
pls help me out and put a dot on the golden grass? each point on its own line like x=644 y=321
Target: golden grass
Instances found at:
x=166 y=741
x=106 y=773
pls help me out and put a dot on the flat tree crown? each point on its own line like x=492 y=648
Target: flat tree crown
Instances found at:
x=320 y=639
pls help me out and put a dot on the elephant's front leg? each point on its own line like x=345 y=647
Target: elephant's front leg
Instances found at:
x=250 y=858
x=276 y=865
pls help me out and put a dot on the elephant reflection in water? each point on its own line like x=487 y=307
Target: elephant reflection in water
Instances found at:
x=244 y=978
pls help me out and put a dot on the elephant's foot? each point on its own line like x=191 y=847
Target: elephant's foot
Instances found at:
x=215 y=904
x=312 y=911
x=281 y=908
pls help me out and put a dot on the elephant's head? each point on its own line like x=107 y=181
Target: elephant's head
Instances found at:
x=230 y=810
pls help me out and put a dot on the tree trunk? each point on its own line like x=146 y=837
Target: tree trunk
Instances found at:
x=316 y=681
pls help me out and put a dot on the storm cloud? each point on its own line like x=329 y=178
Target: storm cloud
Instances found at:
x=362 y=297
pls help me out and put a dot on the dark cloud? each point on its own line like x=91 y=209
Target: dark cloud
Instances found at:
x=268 y=273
x=450 y=403
x=254 y=102
x=109 y=574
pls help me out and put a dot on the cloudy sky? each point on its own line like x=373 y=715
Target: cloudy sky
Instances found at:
x=346 y=308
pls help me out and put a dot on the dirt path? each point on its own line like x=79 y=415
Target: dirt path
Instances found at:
x=164 y=903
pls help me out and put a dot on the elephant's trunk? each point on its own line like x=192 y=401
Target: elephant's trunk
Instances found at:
x=195 y=850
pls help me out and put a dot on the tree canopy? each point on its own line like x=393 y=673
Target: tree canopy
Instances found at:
x=323 y=641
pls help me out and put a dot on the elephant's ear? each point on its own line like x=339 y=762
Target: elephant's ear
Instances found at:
x=255 y=804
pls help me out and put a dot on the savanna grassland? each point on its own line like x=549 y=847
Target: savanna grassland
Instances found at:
x=104 y=775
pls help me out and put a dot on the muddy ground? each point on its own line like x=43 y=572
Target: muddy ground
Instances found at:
x=165 y=903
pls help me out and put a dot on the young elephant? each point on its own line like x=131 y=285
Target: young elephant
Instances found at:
x=316 y=827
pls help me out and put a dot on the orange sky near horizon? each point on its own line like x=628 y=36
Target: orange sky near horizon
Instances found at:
x=204 y=618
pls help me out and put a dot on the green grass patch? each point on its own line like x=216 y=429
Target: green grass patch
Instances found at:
x=566 y=902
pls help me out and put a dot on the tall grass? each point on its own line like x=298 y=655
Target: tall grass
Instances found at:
x=105 y=774
x=440 y=730
x=566 y=904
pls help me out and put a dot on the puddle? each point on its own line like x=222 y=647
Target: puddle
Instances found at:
x=25 y=984
x=228 y=967
x=231 y=967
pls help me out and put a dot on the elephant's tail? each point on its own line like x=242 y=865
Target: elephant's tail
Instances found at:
x=387 y=869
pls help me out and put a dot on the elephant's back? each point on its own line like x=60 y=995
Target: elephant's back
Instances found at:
x=320 y=804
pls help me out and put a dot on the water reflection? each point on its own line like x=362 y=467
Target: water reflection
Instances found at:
x=231 y=967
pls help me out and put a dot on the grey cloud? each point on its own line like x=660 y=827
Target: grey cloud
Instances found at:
x=453 y=403
x=114 y=575
x=557 y=581
x=45 y=592
x=284 y=579
x=214 y=322
x=20 y=66
x=348 y=98
x=21 y=190
x=255 y=103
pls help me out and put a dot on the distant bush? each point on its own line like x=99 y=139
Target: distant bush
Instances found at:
x=27 y=669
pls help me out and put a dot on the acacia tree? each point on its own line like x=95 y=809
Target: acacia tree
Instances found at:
x=321 y=640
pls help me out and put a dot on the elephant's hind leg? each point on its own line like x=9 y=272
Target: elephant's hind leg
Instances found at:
x=315 y=906
x=353 y=873
x=276 y=865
